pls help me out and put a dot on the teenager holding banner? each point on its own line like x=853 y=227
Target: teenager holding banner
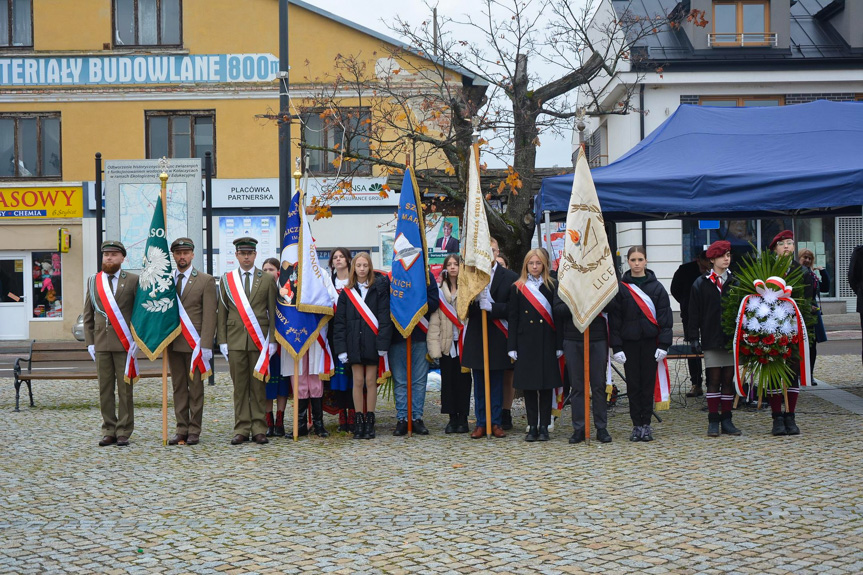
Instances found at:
x=444 y=343
x=191 y=352
x=704 y=332
x=641 y=332
x=534 y=343
x=362 y=334
x=341 y=383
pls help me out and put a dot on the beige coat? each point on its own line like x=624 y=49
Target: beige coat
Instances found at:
x=439 y=340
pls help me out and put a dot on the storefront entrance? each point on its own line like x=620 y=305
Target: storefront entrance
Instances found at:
x=14 y=316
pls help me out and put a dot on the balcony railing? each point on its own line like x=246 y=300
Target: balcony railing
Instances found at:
x=746 y=39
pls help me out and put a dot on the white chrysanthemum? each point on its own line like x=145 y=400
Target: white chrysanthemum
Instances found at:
x=753 y=325
x=753 y=303
x=763 y=310
x=787 y=328
x=787 y=307
x=769 y=325
x=780 y=312
x=771 y=296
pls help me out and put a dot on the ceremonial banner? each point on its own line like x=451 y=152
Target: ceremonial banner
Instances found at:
x=155 y=317
x=305 y=302
x=409 y=283
x=586 y=277
x=477 y=259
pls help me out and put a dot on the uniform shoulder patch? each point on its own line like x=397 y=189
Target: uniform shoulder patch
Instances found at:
x=194 y=272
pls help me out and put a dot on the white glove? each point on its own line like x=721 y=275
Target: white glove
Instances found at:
x=274 y=347
x=660 y=355
x=91 y=349
x=514 y=355
x=207 y=354
x=223 y=348
x=484 y=303
x=343 y=357
x=559 y=353
x=382 y=354
x=619 y=357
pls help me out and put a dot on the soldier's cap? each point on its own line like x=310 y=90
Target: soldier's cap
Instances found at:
x=182 y=244
x=246 y=244
x=114 y=246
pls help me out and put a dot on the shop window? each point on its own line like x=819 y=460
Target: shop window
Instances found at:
x=47 y=285
x=16 y=23
x=181 y=135
x=30 y=146
x=148 y=23
x=741 y=23
x=741 y=101
x=348 y=131
x=816 y=234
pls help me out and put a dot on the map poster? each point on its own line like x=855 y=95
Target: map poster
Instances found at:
x=262 y=228
x=131 y=190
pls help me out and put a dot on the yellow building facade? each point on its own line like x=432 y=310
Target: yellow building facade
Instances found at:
x=136 y=79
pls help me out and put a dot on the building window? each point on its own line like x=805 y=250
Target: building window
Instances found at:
x=47 y=285
x=148 y=23
x=181 y=135
x=349 y=132
x=30 y=146
x=741 y=101
x=741 y=23
x=16 y=23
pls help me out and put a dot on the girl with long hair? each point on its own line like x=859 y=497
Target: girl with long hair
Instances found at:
x=341 y=383
x=278 y=387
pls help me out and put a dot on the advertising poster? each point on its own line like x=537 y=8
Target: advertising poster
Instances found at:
x=558 y=230
x=262 y=228
x=442 y=237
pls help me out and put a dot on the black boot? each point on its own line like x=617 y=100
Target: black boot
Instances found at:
x=279 y=426
x=728 y=427
x=271 y=429
x=452 y=425
x=532 y=434
x=318 y=417
x=303 y=416
x=790 y=426
x=713 y=424
x=359 y=426
x=779 y=425
x=506 y=419
x=370 y=425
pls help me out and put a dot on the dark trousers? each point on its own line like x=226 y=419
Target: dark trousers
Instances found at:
x=454 y=386
x=640 y=369
x=537 y=403
x=496 y=388
x=574 y=352
x=695 y=371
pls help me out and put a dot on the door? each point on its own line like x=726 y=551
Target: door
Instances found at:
x=14 y=304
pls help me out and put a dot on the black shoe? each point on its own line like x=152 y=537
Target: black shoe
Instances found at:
x=462 y=426
x=506 y=419
x=646 y=433
x=401 y=428
x=370 y=425
x=452 y=425
x=695 y=391
x=603 y=435
x=636 y=433
x=303 y=414
x=728 y=428
x=790 y=426
x=318 y=417
x=576 y=437
x=419 y=427
x=779 y=425
x=543 y=433
x=359 y=426
x=713 y=420
x=532 y=434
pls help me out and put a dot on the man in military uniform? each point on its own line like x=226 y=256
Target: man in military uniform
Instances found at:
x=238 y=333
x=104 y=342
x=197 y=293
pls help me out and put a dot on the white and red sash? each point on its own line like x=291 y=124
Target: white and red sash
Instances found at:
x=662 y=391
x=539 y=302
x=369 y=317
x=190 y=334
x=121 y=328
x=244 y=308
x=449 y=311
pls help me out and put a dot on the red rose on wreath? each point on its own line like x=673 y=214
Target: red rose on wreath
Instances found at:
x=774 y=352
x=768 y=339
x=787 y=354
x=747 y=351
x=783 y=340
x=763 y=359
x=795 y=340
x=752 y=339
x=759 y=351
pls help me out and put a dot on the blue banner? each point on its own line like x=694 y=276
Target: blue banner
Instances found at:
x=408 y=288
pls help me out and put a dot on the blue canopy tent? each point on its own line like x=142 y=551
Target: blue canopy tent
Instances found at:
x=712 y=163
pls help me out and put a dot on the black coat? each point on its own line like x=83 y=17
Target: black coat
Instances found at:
x=499 y=288
x=563 y=318
x=535 y=340
x=433 y=300
x=681 y=286
x=351 y=333
x=855 y=275
x=628 y=322
x=706 y=305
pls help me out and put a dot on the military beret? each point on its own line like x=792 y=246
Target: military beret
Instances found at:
x=718 y=249
x=783 y=235
x=246 y=243
x=114 y=246
x=182 y=244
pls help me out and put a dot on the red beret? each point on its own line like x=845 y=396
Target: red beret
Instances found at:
x=718 y=249
x=783 y=235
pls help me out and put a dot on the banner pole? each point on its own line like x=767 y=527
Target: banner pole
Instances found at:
x=410 y=395
x=587 y=384
x=295 y=381
x=486 y=374
x=165 y=397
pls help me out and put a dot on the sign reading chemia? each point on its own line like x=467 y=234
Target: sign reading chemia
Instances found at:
x=41 y=202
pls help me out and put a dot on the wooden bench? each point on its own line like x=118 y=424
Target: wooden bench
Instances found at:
x=66 y=360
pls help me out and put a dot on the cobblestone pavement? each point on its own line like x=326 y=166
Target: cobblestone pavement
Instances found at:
x=685 y=503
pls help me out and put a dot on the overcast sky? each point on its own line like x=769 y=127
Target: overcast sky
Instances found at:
x=550 y=153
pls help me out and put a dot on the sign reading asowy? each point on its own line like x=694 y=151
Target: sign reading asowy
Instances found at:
x=41 y=202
